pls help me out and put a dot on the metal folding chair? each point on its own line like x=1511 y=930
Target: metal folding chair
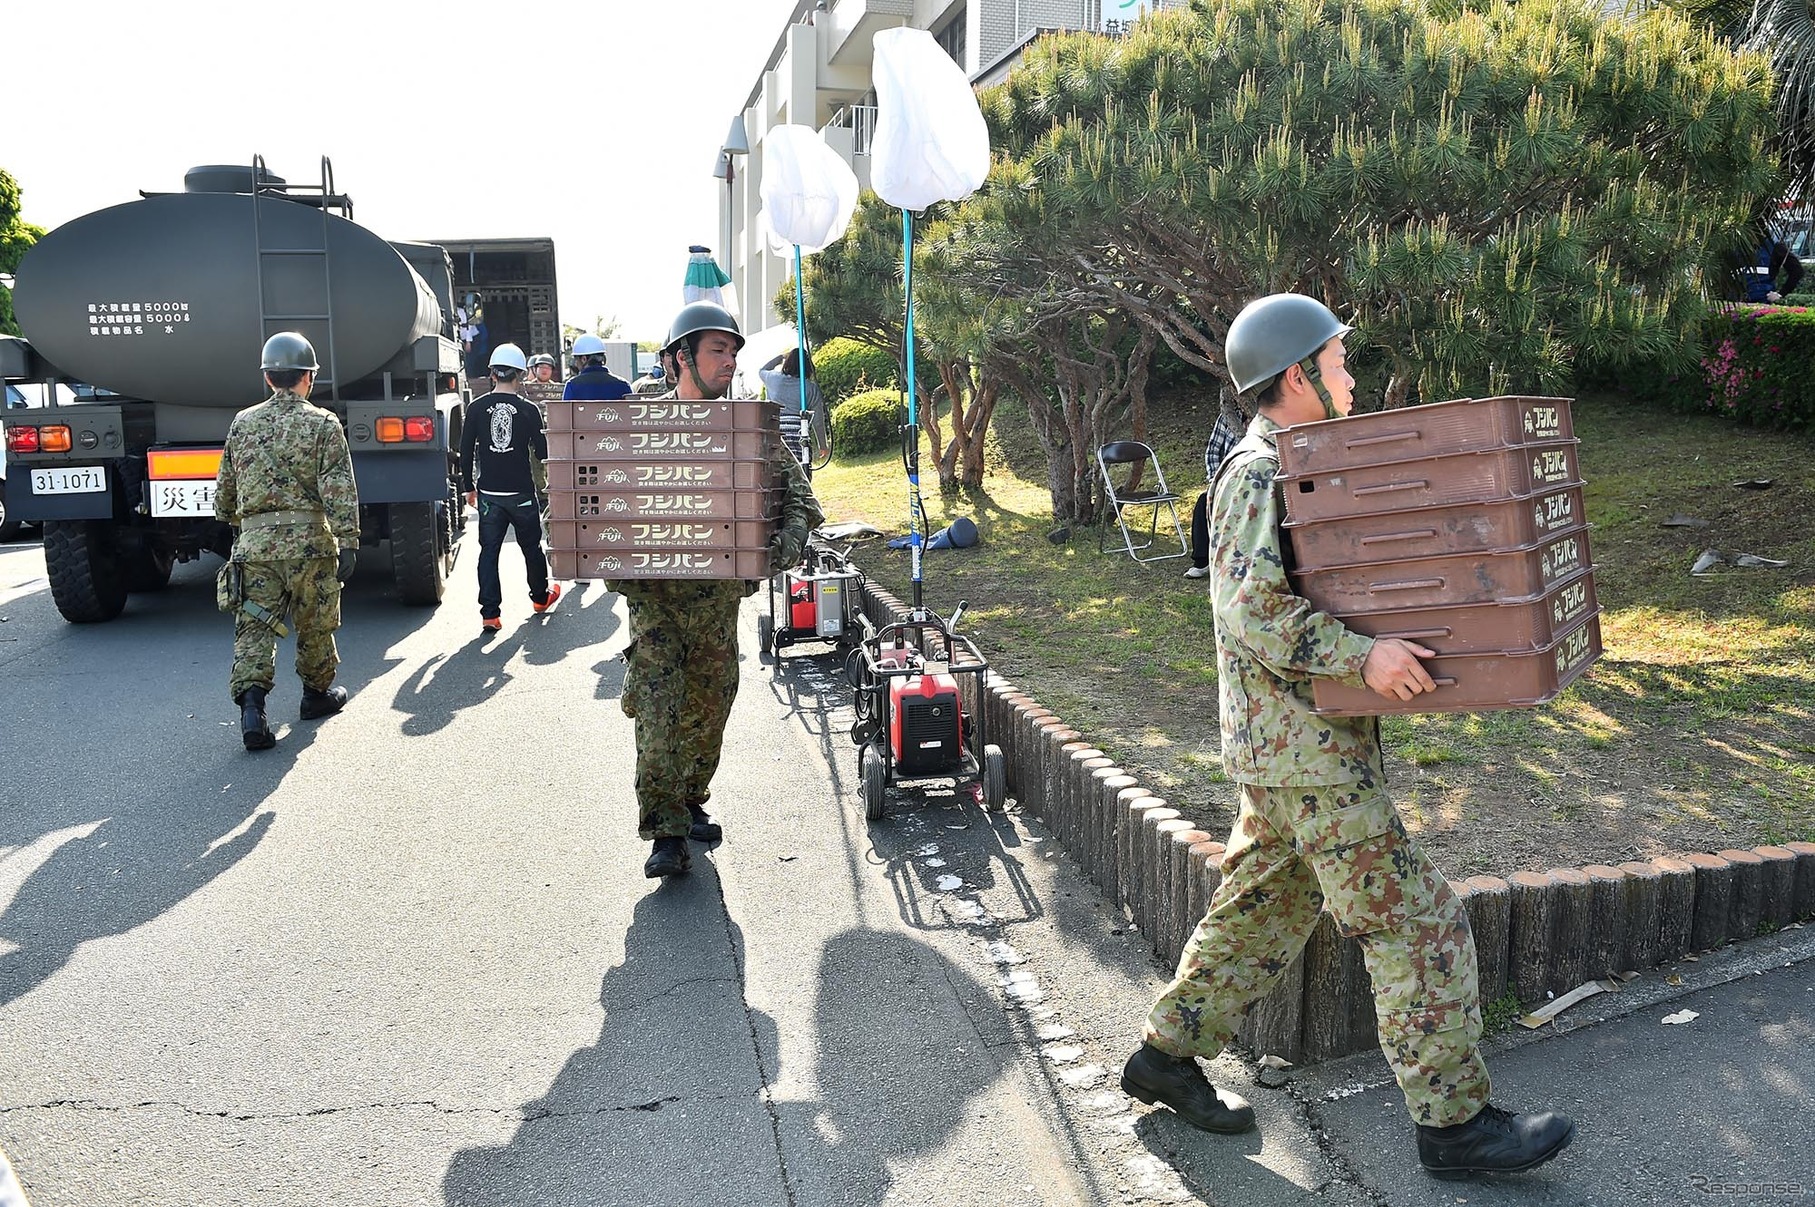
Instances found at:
x=1134 y=459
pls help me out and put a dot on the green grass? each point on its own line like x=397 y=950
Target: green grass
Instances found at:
x=1696 y=729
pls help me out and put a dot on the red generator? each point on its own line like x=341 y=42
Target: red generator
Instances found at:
x=926 y=724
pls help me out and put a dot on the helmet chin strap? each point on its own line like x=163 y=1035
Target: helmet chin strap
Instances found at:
x=694 y=372
x=1314 y=375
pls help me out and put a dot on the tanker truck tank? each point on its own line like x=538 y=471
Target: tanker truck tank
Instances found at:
x=163 y=304
x=162 y=298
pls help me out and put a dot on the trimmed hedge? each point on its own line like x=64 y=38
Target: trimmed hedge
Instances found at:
x=1757 y=365
x=867 y=422
x=844 y=367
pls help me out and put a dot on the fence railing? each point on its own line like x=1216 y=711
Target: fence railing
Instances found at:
x=860 y=120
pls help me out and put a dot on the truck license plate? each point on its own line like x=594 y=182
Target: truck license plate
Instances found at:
x=70 y=480
x=176 y=497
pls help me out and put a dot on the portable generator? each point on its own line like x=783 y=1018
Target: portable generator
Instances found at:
x=817 y=600
x=911 y=724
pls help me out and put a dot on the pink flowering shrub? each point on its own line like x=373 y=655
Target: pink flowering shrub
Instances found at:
x=1758 y=365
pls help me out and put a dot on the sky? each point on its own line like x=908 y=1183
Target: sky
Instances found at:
x=595 y=124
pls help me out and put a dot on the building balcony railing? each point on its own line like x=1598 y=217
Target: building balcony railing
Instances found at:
x=860 y=120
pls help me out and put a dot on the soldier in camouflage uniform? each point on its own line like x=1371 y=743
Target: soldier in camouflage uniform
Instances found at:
x=1316 y=829
x=286 y=486
x=651 y=383
x=681 y=665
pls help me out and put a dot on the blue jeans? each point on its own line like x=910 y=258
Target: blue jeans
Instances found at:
x=499 y=514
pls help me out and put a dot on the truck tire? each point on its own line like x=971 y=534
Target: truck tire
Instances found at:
x=146 y=569
x=422 y=552
x=84 y=570
x=9 y=529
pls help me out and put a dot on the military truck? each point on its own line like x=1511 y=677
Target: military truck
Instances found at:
x=163 y=304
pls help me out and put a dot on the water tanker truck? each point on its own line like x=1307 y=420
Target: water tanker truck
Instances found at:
x=160 y=306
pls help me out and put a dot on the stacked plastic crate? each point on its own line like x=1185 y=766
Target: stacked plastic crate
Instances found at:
x=1457 y=525
x=661 y=488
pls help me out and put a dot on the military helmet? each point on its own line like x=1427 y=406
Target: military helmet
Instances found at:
x=701 y=316
x=589 y=345
x=1273 y=333
x=289 y=350
x=508 y=356
x=541 y=358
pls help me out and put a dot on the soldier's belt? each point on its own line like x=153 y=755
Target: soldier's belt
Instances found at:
x=271 y=519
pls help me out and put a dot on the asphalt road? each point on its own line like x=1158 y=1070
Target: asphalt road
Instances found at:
x=409 y=957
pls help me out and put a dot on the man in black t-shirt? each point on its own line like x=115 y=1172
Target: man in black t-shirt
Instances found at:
x=502 y=430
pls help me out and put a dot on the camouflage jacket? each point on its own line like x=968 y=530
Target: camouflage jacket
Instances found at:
x=1270 y=641
x=286 y=454
x=800 y=515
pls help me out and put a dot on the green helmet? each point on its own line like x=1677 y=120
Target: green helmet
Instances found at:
x=1273 y=333
x=701 y=316
x=289 y=350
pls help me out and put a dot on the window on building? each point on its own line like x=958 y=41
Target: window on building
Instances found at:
x=950 y=37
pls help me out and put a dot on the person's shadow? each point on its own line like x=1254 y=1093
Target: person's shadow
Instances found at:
x=678 y=1101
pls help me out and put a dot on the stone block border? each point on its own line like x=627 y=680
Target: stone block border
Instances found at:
x=1536 y=933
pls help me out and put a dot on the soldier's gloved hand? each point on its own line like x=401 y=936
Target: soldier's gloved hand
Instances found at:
x=343 y=567
x=785 y=549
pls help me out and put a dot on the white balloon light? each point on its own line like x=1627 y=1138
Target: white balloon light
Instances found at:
x=808 y=191
x=931 y=141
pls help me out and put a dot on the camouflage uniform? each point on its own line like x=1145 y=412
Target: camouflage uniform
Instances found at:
x=1316 y=829
x=647 y=386
x=286 y=485
x=681 y=669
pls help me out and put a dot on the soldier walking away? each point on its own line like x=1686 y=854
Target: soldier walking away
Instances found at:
x=1316 y=828
x=502 y=430
x=652 y=382
x=592 y=381
x=286 y=486
x=681 y=665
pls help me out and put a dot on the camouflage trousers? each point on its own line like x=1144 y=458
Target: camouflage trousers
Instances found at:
x=306 y=588
x=679 y=681
x=1293 y=852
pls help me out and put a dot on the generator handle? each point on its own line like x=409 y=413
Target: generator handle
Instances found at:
x=951 y=626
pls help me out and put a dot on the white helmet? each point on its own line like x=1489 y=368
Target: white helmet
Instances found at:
x=509 y=356
x=588 y=345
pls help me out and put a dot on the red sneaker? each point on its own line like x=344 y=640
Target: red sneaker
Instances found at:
x=554 y=593
x=491 y=624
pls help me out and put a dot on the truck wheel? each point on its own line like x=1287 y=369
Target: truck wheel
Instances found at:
x=9 y=529
x=84 y=570
x=146 y=569
x=422 y=552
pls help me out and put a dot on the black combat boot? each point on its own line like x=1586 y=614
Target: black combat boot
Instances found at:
x=1153 y=1076
x=703 y=829
x=322 y=703
x=668 y=858
x=253 y=729
x=1494 y=1141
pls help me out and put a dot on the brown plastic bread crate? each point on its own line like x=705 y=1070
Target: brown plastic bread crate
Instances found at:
x=1478 y=682
x=662 y=446
x=1430 y=481
x=659 y=563
x=659 y=534
x=666 y=415
x=1426 y=531
x=1506 y=576
x=1465 y=425
x=664 y=504
x=1486 y=627
x=753 y=474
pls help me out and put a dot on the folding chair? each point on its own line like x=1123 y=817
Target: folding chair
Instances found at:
x=1135 y=458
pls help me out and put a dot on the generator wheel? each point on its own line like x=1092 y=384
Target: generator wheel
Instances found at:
x=995 y=778
x=422 y=552
x=83 y=565
x=873 y=768
x=765 y=638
